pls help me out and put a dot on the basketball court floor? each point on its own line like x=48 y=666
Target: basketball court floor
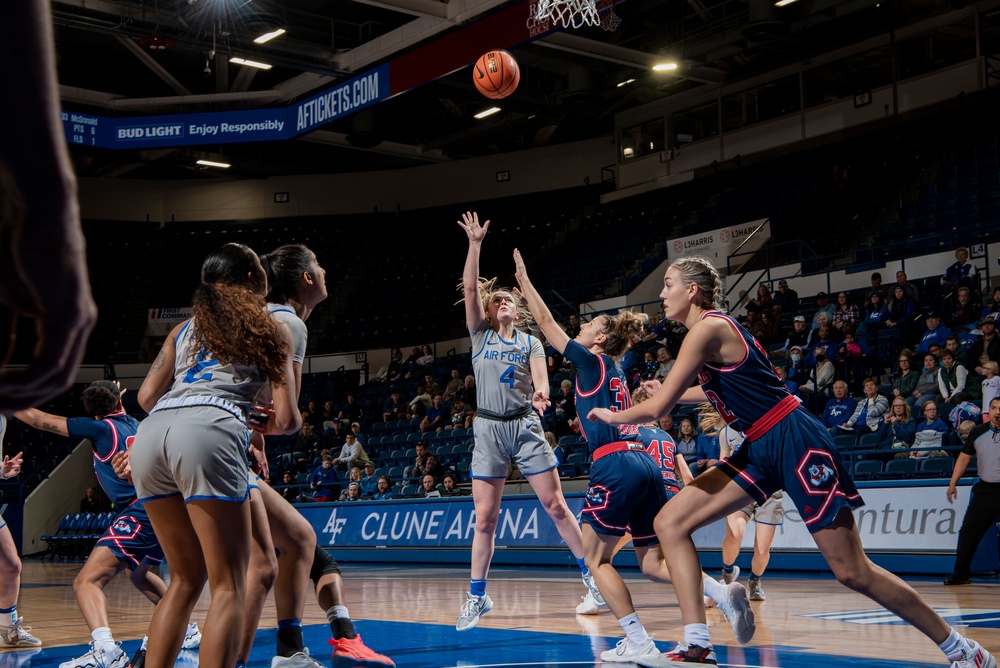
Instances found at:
x=409 y=613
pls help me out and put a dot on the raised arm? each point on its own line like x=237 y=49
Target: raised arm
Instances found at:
x=44 y=421
x=161 y=375
x=554 y=334
x=474 y=313
x=698 y=345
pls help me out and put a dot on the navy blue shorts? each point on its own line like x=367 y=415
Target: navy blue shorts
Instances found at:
x=626 y=492
x=798 y=456
x=130 y=537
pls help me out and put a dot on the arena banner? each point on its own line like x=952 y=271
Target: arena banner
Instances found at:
x=717 y=245
x=431 y=523
x=904 y=520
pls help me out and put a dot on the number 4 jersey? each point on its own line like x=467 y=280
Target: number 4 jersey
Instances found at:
x=503 y=374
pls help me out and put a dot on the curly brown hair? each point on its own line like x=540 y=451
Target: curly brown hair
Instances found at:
x=229 y=315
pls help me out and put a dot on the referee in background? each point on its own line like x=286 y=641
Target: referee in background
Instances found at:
x=984 y=506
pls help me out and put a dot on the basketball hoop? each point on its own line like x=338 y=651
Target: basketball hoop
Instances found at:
x=567 y=13
x=609 y=20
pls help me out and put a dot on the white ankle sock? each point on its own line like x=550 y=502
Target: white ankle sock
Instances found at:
x=633 y=628
x=714 y=589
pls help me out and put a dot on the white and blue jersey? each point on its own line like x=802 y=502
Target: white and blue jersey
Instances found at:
x=502 y=369
x=108 y=437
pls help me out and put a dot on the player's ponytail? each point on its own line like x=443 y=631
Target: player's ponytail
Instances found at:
x=621 y=330
x=701 y=272
x=229 y=316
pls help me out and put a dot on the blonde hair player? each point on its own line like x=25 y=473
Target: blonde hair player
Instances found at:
x=736 y=376
x=511 y=384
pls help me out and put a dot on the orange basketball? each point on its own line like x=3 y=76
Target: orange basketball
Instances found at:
x=496 y=74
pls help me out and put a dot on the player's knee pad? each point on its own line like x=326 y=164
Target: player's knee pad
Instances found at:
x=323 y=564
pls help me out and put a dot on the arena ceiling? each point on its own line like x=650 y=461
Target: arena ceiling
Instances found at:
x=136 y=57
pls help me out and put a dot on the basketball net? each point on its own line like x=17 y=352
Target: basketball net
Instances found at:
x=609 y=19
x=567 y=13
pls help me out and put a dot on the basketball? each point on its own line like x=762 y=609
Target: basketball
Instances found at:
x=496 y=74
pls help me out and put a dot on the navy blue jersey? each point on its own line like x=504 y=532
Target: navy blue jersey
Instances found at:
x=743 y=392
x=599 y=384
x=109 y=437
x=662 y=448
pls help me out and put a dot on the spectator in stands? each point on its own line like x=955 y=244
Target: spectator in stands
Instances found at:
x=454 y=384
x=901 y=311
x=898 y=428
x=952 y=377
x=764 y=301
x=352 y=493
x=426 y=356
x=352 y=411
x=664 y=363
x=799 y=336
x=820 y=377
x=369 y=480
x=822 y=340
x=845 y=313
x=927 y=384
x=770 y=327
x=986 y=348
x=395 y=371
x=868 y=415
x=356 y=430
x=785 y=299
x=648 y=367
x=909 y=288
x=952 y=344
x=851 y=356
x=563 y=410
x=334 y=434
x=798 y=368
x=877 y=286
x=410 y=366
x=965 y=428
x=930 y=433
x=394 y=407
x=904 y=382
x=791 y=385
x=313 y=415
x=323 y=481
x=876 y=314
x=437 y=418
x=419 y=461
x=433 y=387
x=354 y=478
x=429 y=488
x=687 y=442
x=288 y=491
x=708 y=453
x=754 y=324
x=420 y=403
x=936 y=332
x=667 y=424
x=573 y=326
x=90 y=503
x=935 y=349
x=992 y=309
x=839 y=409
x=990 y=385
x=450 y=486
x=431 y=467
x=351 y=454
x=383 y=489
x=467 y=393
x=823 y=305
x=965 y=312
x=962 y=273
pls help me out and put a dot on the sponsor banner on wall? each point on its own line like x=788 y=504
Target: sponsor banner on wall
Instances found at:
x=896 y=519
x=162 y=320
x=717 y=245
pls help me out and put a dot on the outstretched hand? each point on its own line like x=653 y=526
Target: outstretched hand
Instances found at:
x=601 y=415
x=470 y=223
x=520 y=272
x=11 y=465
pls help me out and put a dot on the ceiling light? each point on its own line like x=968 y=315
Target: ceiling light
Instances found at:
x=782 y=3
x=249 y=63
x=268 y=36
x=625 y=83
x=487 y=112
x=663 y=67
x=210 y=163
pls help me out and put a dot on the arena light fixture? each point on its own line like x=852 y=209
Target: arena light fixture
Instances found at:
x=664 y=67
x=212 y=163
x=268 y=36
x=250 y=63
x=782 y=3
x=626 y=82
x=487 y=112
